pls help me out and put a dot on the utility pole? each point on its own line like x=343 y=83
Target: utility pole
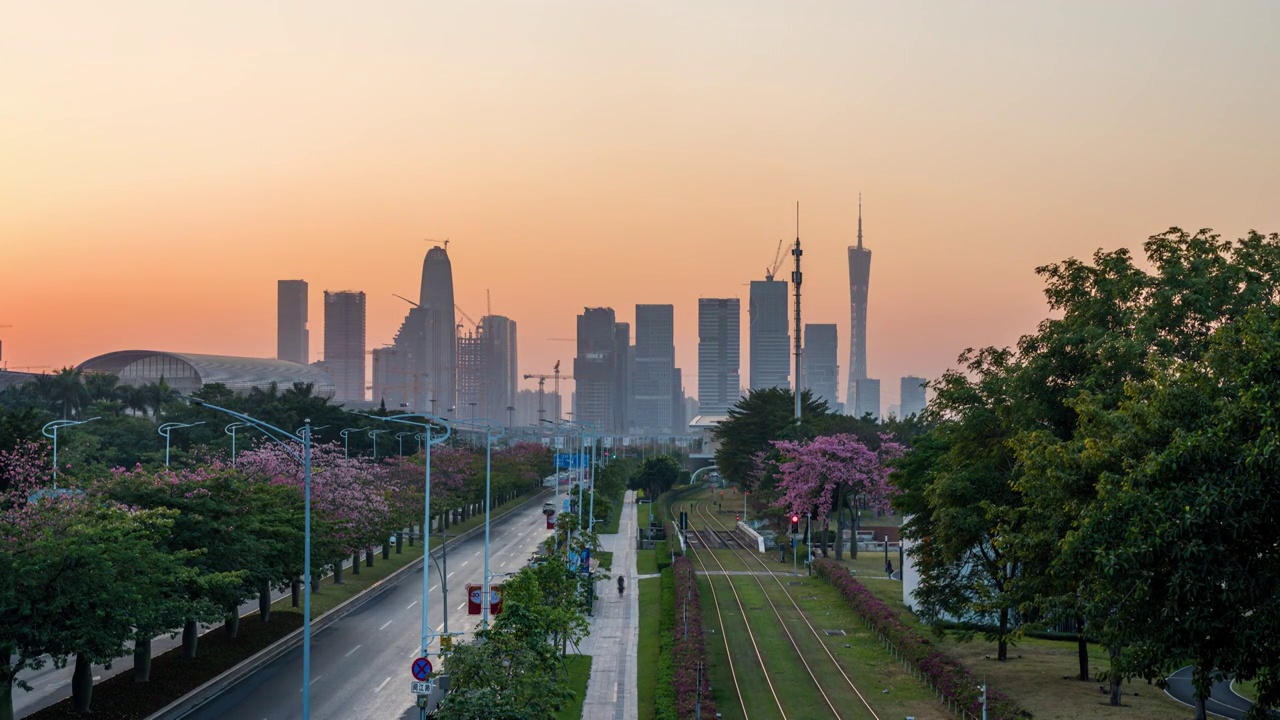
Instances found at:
x=796 y=277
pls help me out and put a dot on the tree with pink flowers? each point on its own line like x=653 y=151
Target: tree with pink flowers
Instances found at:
x=831 y=471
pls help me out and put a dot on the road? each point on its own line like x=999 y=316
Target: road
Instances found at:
x=360 y=665
x=1223 y=701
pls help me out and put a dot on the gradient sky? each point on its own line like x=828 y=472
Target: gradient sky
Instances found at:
x=162 y=163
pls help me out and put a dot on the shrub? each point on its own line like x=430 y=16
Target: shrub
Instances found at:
x=690 y=651
x=952 y=679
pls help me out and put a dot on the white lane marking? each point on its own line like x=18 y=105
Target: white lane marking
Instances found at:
x=384 y=684
x=96 y=678
x=440 y=627
x=464 y=604
x=385 y=624
x=313 y=682
x=352 y=650
x=451 y=574
x=410 y=607
x=464 y=564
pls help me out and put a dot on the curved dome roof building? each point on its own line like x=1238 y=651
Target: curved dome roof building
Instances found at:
x=188 y=372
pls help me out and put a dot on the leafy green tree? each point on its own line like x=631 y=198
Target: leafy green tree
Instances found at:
x=758 y=419
x=958 y=489
x=656 y=476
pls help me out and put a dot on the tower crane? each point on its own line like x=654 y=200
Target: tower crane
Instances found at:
x=542 y=379
x=777 y=263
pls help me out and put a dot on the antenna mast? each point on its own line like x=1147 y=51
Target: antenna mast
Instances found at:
x=796 y=277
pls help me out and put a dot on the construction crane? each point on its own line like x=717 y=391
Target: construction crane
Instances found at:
x=455 y=307
x=542 y=379
x=777 y=263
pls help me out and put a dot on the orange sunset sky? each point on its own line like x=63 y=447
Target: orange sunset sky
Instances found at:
x=163 y=163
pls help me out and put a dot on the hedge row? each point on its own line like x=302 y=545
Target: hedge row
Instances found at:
x=690 y=650
x=942 y=672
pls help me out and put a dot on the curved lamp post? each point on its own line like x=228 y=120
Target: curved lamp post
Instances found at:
x=492 y=429
x=374 y=434
x=53 y=427
x=231 y=430
x=590 y=431
x=298 y=432
x=168 y=428
x=346 y=440
x=400 y=439
x=280 y=436
x=428 y=423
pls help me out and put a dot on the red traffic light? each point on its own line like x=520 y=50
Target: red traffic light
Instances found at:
x=795 y=518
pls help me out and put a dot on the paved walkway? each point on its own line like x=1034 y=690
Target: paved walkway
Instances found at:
x=1222 y=702
x=615 y=630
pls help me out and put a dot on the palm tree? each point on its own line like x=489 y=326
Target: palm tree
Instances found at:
x=134 y=398
x=68 y=392
x=102 y=386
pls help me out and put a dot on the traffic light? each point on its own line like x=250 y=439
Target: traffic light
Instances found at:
x=795 y=524
x=446 y=644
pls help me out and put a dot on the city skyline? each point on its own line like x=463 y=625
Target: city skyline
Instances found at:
x=255 y=164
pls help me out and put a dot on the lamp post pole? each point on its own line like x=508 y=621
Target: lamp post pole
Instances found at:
x=492 y=429
x=428 y=423
x=374 y=434
x=52 y=427
x=280 y=436
x=346 y=440
x=168 y=428
x=400 y=439
x=231 y=430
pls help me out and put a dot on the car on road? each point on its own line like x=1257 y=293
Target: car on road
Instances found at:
x=548 y=508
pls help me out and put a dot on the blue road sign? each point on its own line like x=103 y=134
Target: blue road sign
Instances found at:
x=421 y=668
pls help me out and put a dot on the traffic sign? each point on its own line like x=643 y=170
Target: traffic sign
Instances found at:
x=421 y=668
x=420 y=687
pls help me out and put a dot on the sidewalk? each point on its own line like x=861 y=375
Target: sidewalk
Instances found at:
x=615 y=630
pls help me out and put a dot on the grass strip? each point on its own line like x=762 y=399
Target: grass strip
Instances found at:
x=647 y=650
x=579 y=669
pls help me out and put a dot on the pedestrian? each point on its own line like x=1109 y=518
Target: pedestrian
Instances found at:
x=888 y=568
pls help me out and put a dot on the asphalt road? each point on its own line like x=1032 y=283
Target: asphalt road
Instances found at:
x=1223 y=701
x=360 y=665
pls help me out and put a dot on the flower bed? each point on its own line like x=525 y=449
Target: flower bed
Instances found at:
x=943 y=673
x=690 y=653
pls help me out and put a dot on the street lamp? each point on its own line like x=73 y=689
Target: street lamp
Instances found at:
x=279 y=436
x=492 y=429
x=53 y=427
x=346 y=439
x=298 y=432
x=231 y=430
x=169 y=427
x=587 y=430
x=374 y=434
x=400 y=439
x=427 y=423
x=555 y=435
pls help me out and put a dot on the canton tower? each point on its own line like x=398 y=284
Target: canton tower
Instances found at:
x=859 y=279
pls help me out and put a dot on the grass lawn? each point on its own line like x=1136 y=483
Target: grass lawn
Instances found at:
x=1247 y=690
x=606 y=560
x=579 y=667
x=647 y=562
x=647 y=650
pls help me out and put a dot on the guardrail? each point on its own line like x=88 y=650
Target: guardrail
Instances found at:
x=751 y=531
x=212 y=689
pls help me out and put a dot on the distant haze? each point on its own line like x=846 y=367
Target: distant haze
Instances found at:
x=165 y=163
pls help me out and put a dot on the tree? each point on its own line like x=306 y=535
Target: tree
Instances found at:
x=757 y=420
x=656 y=476
x=958 y=486
x=831 y=471
x=67 y=392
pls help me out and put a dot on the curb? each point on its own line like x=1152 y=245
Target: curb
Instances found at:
x=233 y=676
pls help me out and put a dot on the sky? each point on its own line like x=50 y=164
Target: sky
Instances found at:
x=162 y=164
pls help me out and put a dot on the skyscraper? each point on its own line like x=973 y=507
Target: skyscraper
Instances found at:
x=679 y=421
x=913 y=396
x=719 y=354
x=866 y=398
x=470 y=374
x=654 y=363
x=859 y=280
x=595 y=369
x=820 y=364
x=344 y=343
x=623 y=364
x=770 y=335
x=499 y=375
x=292 y=339
x=423 y=373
